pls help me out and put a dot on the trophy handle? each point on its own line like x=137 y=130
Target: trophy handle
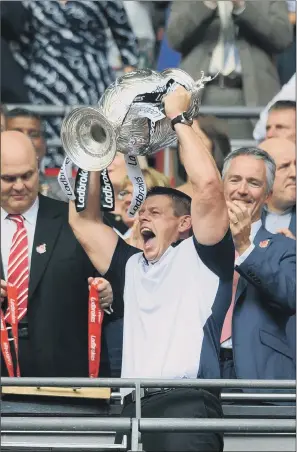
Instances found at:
x=88 y=138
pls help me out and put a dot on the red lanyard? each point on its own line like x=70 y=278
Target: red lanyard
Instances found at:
x=94 y=331
x=12 y=296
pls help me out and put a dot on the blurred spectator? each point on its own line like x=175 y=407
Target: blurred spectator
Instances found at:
x=160 y=12
x=238 y=39
x=254 y=344
x=30 y=124
x=13 y=19
x=140 y=17
x=51 y=276
x=287 y=93
x=64 y=53
x=286 y=61
x=117 y=172
x=214 y=135
x=280 y=213
x=281 y=120
x=3 y=112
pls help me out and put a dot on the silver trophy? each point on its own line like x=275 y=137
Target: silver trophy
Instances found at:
x=129 y=118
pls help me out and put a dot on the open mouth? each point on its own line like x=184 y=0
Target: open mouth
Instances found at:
x=147 y=236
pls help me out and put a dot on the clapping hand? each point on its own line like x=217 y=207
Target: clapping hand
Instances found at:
x=287 y=233
x=238 y=3
x=240 y=225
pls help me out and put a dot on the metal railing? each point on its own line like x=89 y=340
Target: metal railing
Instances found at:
x=222 y=112
x=137 y=425
x=147 y=383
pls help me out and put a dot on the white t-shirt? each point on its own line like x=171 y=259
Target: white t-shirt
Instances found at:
x=173 y=309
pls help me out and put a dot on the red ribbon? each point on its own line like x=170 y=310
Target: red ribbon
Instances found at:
x=12 y=296
x=95 y=320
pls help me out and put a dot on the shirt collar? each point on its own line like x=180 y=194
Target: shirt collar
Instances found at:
x=30 y=215
x=255 y=228
x=286 y=212
x=150 y=263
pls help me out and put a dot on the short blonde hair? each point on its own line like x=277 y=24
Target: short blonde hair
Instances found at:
x=152 y=177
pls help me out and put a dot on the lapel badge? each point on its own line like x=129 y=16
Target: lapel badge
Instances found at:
x=41 y=249
x=264 y=243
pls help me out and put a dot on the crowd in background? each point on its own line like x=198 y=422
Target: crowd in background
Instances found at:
x=68 y=53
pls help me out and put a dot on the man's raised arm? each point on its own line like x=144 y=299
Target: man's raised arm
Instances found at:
x=209 y=212
x=98 y=240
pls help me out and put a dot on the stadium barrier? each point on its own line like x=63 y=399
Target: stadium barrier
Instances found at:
x=137 y=425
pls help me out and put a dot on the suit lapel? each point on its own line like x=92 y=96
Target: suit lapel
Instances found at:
x=241 y=288
x=263 y=217
x=1 y=268
x=48 y=225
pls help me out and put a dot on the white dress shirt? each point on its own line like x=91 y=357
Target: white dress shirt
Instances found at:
x=9 y=227
x=275 y=221
x=254 y=229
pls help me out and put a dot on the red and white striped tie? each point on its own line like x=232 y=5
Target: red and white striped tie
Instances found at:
x=18 y=266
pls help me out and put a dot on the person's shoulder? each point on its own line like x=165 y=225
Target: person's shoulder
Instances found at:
x=285 y=242
x=49 y=205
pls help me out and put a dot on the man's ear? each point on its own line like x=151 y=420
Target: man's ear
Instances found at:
x=268 y=198
x=185 y=226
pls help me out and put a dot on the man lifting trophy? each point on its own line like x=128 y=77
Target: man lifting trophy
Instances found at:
x=130 y=119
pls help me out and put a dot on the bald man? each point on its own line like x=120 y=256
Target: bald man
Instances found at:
x=42 y=259
x=280 y=212
x=3 y=117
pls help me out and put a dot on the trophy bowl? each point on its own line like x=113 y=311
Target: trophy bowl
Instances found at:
x=129 y=118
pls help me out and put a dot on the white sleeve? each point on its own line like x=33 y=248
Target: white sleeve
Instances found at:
x=240 y=259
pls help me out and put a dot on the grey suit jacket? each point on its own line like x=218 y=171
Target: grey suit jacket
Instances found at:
x=262 y=30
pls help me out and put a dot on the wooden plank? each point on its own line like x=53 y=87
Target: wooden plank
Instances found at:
x=86 y=393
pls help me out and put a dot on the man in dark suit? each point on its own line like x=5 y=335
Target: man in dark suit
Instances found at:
x=50 y=271
x=254 y=343
x=13 y=20
x=279 y=215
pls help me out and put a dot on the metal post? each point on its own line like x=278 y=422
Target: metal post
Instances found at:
x=136 y=431
x=135 y=436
